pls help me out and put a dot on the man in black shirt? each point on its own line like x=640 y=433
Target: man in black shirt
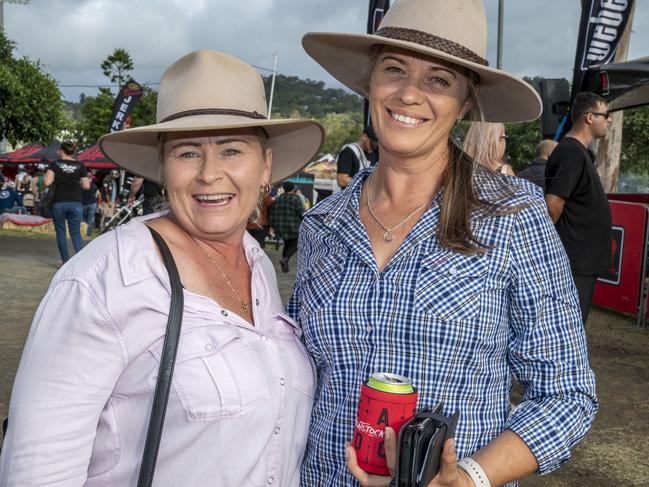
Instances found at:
x=576 y=199
x=535 y=172
x=356 y=156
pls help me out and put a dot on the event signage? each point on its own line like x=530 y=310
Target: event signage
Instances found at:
x=377 y=11
x=620 y=287
x=601 y=27
x=127 y=97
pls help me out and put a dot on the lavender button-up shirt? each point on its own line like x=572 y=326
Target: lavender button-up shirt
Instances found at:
x=239 y=409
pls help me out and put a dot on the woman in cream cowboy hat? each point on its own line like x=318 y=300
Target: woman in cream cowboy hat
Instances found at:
x=242 y=385
x=434 y=268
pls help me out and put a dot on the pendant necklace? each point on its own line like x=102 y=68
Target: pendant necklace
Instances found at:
x=242 y=303
x=388 y=236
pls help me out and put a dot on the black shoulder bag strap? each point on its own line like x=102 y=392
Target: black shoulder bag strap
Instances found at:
x=167 y=361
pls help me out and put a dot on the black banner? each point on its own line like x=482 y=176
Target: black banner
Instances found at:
x=126 y=99
x=602 y=25
x=375 y=14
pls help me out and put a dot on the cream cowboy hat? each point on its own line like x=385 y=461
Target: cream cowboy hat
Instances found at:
x=207 y=90
x=450 y=30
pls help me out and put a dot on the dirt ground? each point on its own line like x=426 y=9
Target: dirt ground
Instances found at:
x=615 y=453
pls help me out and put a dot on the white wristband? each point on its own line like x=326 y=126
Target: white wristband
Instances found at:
x=473 y=468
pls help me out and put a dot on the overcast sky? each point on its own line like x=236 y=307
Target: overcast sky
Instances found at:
x=72 y=37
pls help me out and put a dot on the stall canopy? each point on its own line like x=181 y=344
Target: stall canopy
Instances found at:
x=32 y=154
x=93 y=158
x=624 y=85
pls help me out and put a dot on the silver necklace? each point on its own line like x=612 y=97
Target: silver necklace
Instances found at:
x=242 y=303
x=388 y=236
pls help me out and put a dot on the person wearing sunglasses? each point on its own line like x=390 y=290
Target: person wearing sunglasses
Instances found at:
x=576 y=199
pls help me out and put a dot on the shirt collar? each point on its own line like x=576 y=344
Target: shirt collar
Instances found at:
x=138 y=256
x=335 y=209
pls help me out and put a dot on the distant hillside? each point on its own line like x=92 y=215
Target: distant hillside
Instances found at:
x=309 y=98
x=292 y=95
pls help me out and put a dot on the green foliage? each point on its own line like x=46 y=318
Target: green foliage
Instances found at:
x=310 y=98
x=30 y=100
x=97 y=110
x=522 y=139
x=341 y=128
x=635 y=141
x=118 y=66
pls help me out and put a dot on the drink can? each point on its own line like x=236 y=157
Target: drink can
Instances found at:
x=386 y=400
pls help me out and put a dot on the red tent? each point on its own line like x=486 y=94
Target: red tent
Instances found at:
x=93 y=158
x=32 y=154
x=25 y=155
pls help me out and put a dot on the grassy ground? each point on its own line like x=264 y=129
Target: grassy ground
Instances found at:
x=616 y=452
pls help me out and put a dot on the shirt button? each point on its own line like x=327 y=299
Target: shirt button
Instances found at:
x=277 y=428
x=209 y=347
x=224 y=312
x=282 y=381
x=452 y=271
x=257 y=302
x=369 y=328
x=270 y=480
x=255 y=249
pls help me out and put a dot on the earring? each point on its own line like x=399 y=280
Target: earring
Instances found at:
x=265 y=189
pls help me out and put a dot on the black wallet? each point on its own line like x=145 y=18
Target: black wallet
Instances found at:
x=420 y=446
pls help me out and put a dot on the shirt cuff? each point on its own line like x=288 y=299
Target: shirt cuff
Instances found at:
x=531 y=422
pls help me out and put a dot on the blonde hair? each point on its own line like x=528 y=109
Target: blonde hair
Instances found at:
x=482 y=144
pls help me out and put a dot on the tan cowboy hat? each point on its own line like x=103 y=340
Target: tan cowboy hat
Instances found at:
x=207 y=90
x=450 y=30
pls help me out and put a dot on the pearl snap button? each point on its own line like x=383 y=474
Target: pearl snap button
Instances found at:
x=369 y=328
x=282 y=381
x=453 y=271
x=277 y=428
x=224 y=312
x=209 y=347
x=270 y=480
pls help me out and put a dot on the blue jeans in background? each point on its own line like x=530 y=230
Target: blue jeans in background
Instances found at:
x=89 y=217
x=72 y=212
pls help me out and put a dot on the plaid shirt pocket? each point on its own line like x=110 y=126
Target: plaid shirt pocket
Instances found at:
x=449 y=286
x=319 y=283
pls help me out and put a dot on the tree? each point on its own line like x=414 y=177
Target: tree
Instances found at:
x=30 y=100
x=341 y=128
x=118 y=66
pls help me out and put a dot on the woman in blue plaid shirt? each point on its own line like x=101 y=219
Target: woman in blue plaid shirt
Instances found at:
x=431 y=267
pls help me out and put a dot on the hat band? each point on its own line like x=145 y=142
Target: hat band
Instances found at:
x=213 y=111
x=432 y=41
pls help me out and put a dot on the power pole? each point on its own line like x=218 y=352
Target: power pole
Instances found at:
x=501 y=16
x=609 y=148
x=272 y=87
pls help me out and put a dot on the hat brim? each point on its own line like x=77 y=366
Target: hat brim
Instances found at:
x=294 y=142
x=502 y=97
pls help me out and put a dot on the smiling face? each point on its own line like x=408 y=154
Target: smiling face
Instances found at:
x=415 y=101
x=213 y=179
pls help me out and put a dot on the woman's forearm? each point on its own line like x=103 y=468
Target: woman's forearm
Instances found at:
x=507 y=457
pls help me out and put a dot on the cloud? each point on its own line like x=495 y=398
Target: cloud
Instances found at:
x=72 y=37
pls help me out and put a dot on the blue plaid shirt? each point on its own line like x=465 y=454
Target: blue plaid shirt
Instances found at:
x=459 y=326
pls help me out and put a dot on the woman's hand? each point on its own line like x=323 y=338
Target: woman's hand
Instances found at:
x=368 y=479
x=449 y=474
